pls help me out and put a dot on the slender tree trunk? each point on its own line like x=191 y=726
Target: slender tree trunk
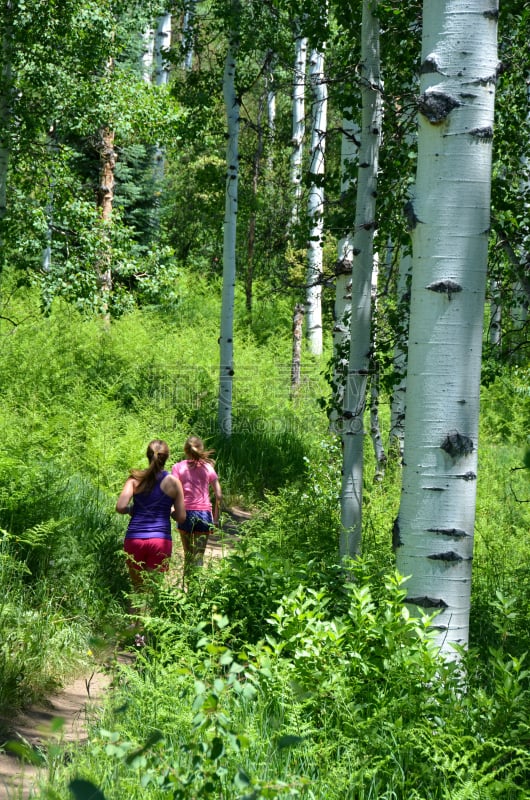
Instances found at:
x=271 y=113
x=6 y=88
x=51 y=147
x=162 y=45
x=315 y=205
x=375 y=424
x=363 y=256
x=298 y=324
x=298 y=125
x=399 y=390
x=226 y=347
x=105 y=199
x=187 y=33
x=434 y=529
x=343 y=270
x=495 y=326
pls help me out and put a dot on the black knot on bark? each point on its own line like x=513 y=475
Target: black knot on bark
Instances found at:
x=426 y=602
x=491 y=13
x=469 y=476
x=486 y=134
x=457 y=445
x=450 y=555
x=456 y=533
x=429 y=65
x=447 y=287
x=436 y=106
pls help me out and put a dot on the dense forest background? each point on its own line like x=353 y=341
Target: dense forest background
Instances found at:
x=269 y=674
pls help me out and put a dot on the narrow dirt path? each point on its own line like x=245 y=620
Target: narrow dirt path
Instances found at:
x=81 y=701
x=37 y=727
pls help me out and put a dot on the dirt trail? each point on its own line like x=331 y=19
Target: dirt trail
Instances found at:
x=81 y=701
x=74 y=705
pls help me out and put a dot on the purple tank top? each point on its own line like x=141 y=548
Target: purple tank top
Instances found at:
x=151 y=513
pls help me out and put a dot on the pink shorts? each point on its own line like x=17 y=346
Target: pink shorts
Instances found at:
x=148 y=553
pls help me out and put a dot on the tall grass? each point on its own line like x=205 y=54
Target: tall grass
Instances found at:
x=269 y=677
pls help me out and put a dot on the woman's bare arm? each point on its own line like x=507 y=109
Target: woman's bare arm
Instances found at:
x=122 y=506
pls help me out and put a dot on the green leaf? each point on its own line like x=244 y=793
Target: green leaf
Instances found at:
x=218 y=748
x=242 y=780
x=26 y=753
x=289 y=740
x=85 y=790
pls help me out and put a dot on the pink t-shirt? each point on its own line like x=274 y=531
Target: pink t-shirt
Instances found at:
x=196 y=477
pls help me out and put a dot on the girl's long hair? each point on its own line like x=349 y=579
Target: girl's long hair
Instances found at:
x=157 y=454
x=194 y=450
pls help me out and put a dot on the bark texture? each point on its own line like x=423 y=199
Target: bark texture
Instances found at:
x=315 y=203
x=360 y=325
x=226 y=342
x=450 y=237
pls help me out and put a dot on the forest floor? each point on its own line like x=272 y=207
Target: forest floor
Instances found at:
x=65 y=716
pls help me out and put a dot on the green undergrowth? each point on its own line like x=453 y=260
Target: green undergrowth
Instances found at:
x=270 y=676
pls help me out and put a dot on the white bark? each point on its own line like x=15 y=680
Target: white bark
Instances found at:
x=495 y=326
x=229 y=242
x=342 y=309
x=360 y=326
x=434 y=530
x=298 y=125
x=47 y=249
x=187 y=32
x=5 y=111
x=162 y=45
x=315 y=203
x=375 y=426
x=397 y=405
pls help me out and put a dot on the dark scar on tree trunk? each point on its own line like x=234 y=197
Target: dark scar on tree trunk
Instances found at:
x=447 y=287
x=485 y=134
x=456 y=533
x=468 y=476
x=426 y=602
x=436 y=106
x=457 y=445
x=449 y=556
x=429 y=65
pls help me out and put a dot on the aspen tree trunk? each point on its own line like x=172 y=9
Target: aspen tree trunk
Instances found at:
x=397 y=403
x=363 y=253
x=343 y=269
x=51 y=147
x=375 y=425
x=434 y=529
x=315 y=203
x=105 y=199
x=298 y=125
x=187 y=33
x=6 y=87
x=226 y=347
x=162 y=45
x=298 y=323
x=495 y=326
